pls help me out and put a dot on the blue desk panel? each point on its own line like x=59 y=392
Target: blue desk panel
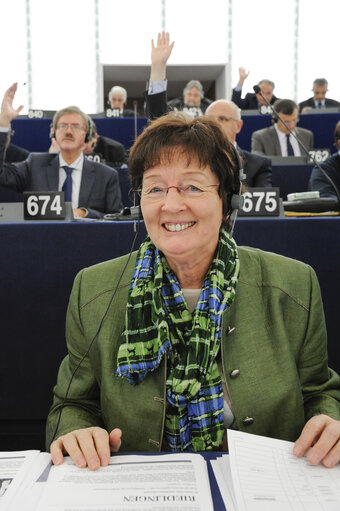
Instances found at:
x=38 y=264
x=33 y=134
x=291 y=178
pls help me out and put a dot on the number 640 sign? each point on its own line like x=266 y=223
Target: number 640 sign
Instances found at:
x=261 y=202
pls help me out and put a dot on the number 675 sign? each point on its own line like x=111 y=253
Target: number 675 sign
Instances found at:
x=261 y=202
x=44 y=206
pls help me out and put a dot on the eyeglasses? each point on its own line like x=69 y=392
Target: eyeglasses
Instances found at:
x=223 y=118
x=74 y=127
x=156 y=193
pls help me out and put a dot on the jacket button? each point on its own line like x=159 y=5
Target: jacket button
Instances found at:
x=235 y=373
x=248 y=421
x=230 y=330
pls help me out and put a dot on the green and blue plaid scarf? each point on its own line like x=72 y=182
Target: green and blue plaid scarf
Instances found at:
x=159 y=323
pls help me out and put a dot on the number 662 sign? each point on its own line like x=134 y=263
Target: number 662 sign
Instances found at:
x=261 y=202
x=44 y=206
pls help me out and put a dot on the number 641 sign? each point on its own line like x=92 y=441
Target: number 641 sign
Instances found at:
x=44 y=206
x=261 y=202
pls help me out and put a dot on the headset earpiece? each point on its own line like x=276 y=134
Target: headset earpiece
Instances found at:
x=237 y=199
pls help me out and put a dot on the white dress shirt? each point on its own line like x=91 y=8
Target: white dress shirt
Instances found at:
x=77 y=165
x=283 y=142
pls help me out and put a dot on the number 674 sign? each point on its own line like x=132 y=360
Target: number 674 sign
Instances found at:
x=261 y=202
x=44 y=206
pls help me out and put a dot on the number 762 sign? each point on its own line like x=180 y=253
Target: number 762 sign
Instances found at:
x=44 y=206
x=261 y=202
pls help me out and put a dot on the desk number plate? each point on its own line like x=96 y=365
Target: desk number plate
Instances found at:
x=261 y=202
x=44 y=206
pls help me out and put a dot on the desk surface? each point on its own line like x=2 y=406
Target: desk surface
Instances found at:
x=39 y=262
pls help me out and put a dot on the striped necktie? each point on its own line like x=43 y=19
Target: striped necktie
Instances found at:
x=67 y=186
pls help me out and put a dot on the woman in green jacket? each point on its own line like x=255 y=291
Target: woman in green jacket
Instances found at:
x=192 y=335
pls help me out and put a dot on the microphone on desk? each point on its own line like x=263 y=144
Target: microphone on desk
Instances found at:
x=258 y=91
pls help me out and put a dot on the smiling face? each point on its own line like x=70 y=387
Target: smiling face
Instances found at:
x=185 y=229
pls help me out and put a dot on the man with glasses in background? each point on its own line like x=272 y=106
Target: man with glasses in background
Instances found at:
x=277 y=139
x=93 y=188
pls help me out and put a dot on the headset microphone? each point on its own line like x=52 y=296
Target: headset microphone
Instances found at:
x=257 y=90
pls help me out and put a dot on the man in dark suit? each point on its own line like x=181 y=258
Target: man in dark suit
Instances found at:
x=331 y=166
x=319 y=100
x=277 y=140
x=253 y=101
x=104 y=149
x=92 y=187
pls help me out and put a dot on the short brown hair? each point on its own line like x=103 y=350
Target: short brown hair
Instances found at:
x=71 y=110
x=200 y=138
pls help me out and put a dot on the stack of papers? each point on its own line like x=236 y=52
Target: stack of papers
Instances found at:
x=262 y=474
x=20 y=479
x=259 y=474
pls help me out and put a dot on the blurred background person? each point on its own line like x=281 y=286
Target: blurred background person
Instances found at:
x=277 y=140
x=318 y=100
x=332 y=168
x=193 y=101
x=104 y=149
x=93 y=188
x=117 y=101
x=253 y=101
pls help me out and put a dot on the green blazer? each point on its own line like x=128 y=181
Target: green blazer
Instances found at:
x=274 y=335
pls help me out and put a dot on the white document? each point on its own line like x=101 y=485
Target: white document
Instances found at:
x=14 y=467
x=170 y=481
x=28 y=494
x=222 y=473
x=268 y=477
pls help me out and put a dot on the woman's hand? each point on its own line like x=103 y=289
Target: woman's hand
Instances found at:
x=321 y=436
x=88 y=447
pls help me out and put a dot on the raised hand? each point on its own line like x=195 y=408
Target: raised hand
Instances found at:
x=8 y=112
x=243 y=74
x=160 y=55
